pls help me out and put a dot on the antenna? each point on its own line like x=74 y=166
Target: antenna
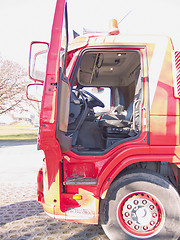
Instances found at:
x=124 y=17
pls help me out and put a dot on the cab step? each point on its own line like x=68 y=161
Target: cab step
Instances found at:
x=80 y=181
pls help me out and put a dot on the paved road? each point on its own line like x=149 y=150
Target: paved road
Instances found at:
x=21 y=216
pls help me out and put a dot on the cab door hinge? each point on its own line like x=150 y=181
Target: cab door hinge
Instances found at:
x=54 y=84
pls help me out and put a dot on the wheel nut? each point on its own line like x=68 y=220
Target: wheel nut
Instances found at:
x=144 y=202
x=151 y=207
x=129 y=206
x=126 y=214
x=136 y=227
x=152 y=223
x=129 y=222
x=154 y=215
x=136 y=202
x=145 y=228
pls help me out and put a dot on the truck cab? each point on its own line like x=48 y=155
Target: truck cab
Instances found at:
x=109 y=129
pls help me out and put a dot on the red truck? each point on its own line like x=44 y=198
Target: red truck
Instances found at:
x=109 y=129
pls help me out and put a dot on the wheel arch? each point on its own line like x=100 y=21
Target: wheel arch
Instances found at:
x=163 y=166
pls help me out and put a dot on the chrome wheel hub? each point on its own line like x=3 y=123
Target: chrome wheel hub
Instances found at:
x=141 y=214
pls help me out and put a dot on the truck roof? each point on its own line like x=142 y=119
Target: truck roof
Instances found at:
x=120 y=39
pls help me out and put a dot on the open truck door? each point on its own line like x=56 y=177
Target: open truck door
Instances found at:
x=56 y=87
x=55 y=102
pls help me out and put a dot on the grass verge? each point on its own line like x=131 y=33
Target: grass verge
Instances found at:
x=18 y=133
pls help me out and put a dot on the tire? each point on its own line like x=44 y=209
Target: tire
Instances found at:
x=141 y=205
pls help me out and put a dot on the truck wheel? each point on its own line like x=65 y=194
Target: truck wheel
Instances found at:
x=140 y=205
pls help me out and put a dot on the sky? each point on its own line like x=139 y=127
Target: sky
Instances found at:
x=23 y=21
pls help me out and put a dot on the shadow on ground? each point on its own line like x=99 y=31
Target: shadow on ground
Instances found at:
x=19 y=210
x=12 y=143
x=26 y=220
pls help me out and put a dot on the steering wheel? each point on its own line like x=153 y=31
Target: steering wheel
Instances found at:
x=93 y=101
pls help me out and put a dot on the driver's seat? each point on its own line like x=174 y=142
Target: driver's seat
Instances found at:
x=117 y=113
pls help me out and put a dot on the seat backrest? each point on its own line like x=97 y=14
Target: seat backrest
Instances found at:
x=137 y=96
x=118 y=97
x=129 y=111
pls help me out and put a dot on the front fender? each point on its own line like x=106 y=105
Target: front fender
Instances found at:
x=127 y=162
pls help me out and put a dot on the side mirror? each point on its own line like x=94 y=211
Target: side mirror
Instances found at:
x=38 y=60
x=34 y=92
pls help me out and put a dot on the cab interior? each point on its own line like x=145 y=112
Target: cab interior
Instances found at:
x=105 y=100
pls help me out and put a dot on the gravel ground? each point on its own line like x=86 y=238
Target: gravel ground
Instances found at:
x=21 y=216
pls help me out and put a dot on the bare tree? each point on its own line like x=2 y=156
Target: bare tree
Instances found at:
x=13 y=82
x=36 y=106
